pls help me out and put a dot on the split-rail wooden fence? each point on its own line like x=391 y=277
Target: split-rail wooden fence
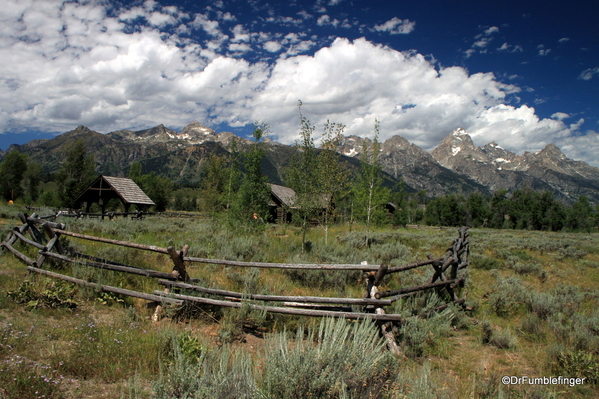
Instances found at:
x=45 y=236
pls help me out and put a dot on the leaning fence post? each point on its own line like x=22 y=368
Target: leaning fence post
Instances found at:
x=373 y=280
x=177 y=257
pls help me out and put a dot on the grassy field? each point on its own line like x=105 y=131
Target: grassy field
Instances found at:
x=532 y=300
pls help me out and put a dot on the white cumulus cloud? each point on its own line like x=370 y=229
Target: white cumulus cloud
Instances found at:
x=99 y=72
x=396 y=26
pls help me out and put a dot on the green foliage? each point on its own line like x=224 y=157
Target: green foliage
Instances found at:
x=55 y=294
x=318 y=177
x=236 y=322
x=12 y=171
x=254 y=193
x=75 y=173
x=31 y=181
x=214 y=184
x=575 y=363
x=446 y=211
x=158 y=188
x=581 y=216
x=369 y=194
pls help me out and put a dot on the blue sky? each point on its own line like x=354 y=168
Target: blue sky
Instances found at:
x=521 y=73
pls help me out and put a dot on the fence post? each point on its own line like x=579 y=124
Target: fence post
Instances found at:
x=177 y=258
x=373 y=279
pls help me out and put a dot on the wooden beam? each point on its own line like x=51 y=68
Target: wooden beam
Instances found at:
x=18 y=254
x=278 y=298
x=126 y=269
x=384 y=294
x=28 y=241
x=114 y=242
x=107 y=288
x=309 y=266
x=282 y=310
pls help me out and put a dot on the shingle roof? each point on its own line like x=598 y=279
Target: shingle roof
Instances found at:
x=108 y=187
x=285 y=194
x=128 y=190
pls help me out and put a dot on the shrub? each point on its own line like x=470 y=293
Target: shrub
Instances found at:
x=531 y=324
x=218 y=374
x=55 y=294
x=542 y=304
x=508 y=296
x=502 y=339
x=417 y=384
x=571 y=253
x=238 y=321
x=578 y=363
x=485 y=263
x=348 y=360
x=417 y=334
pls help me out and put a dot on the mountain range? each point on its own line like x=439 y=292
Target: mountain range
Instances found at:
x=456 y=165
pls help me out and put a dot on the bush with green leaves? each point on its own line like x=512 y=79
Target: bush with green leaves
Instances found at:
x=576 y=363
x=48 y=294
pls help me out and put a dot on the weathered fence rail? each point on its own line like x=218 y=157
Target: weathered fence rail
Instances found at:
x=46 y=240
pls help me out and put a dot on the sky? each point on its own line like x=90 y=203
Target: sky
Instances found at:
x=521 y=73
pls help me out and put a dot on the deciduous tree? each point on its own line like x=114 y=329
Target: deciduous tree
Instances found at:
x=76 y=172
x=12 y=171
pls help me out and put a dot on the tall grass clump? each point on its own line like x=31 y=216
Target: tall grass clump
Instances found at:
x=340 y=359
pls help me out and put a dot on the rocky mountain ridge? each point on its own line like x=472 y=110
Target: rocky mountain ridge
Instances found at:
x=455 y=166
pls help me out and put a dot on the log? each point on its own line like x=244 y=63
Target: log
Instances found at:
x=114 y=242
x=35 y=233
x=53 y=236
x=282 y=310
x=278 y=298
x=302 y=305
x=42 y=222
x=28 y=241
x=107 y=288
x=126 y=269
x=372 y=287
x=308 y=266
x=41 y=258
x=380 y=274
x=396 y=269
x=18 y=254
x=179 y=269
x=12 y=238
x=401 y=291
